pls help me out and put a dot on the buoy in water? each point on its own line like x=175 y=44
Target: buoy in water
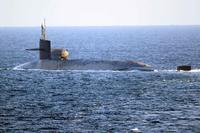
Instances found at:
x=184 y=68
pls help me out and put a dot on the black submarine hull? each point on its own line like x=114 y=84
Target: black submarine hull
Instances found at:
x=78 y=64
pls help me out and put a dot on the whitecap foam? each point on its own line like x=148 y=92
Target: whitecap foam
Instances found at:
x=87 y=71
x=4 y=68
x=195 y=70
x=165 y=70
x=23 y=67
x=175 y=71
x=136 y=130
x=20 y=67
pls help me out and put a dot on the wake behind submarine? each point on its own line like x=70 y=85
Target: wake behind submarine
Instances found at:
x=57 y=59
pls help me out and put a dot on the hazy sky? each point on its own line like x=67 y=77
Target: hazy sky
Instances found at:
x=99 y=12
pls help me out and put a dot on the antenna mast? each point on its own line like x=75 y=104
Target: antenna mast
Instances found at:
x=43 y=30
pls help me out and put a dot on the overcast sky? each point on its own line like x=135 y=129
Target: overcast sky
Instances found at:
x=99 y=12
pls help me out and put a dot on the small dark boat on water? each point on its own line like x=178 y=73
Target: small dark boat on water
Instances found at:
x=184 y=68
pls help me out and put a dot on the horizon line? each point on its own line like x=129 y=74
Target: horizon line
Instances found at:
x=20 y=26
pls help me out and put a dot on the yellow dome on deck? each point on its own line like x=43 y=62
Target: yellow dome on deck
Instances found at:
x=64 y=54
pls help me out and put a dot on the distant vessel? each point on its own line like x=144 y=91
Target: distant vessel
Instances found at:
x=184 y=68
x=57 y=59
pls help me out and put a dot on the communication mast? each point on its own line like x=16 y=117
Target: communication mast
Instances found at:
x=43 y=30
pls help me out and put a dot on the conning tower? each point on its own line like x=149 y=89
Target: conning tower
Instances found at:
x=45 y=50
x=44 y=45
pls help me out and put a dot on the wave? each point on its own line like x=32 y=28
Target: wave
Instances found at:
x=84 y=65
x=87 y=71
x=20 y=67
x=175 y=71
x=1 y=69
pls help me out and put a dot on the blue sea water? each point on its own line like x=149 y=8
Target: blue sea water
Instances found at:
x=102 y=101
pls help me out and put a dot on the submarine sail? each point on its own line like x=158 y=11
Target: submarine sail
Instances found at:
x=45 y=49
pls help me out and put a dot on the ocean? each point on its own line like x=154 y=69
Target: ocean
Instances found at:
x=163 y=100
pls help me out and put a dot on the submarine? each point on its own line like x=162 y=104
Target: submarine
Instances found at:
x=57 y=59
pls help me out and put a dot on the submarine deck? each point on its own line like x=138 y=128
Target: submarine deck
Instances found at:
x=79 y=64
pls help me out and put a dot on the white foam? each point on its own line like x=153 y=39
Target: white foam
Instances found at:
x=20 y=67
x=195 y=70
x=175 y=71
x=135 y=130
x=165 y=70
x=4 y=68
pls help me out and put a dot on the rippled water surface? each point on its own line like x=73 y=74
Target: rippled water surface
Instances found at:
x=102 y=101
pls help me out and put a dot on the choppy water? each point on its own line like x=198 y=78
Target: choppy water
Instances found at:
x=102 y=101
